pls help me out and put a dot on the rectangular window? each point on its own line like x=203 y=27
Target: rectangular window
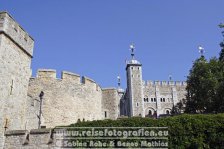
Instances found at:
x=105 y=114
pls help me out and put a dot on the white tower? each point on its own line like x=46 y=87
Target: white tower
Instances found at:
x=134 y=86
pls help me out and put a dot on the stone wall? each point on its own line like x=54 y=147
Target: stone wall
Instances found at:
x=110 y=103
x=34 y=139
x=15 y=58
x=14 y=31
x=161 y=96
x=65 y=100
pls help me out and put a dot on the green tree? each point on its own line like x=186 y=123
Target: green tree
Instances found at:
x=202 y=86
x=220 y=91
x=221 y=55
x=205 y=85
x=178 y=108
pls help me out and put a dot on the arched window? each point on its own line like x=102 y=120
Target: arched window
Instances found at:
x=150 y=113
x=167 y=112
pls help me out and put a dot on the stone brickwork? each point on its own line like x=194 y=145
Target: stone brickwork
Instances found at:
x=161 y=96
x=148 y=98
x=16 y=48
x=135 y=88
x=33 y=139
x=18 y=35
x=65 y=100
x=110 y=103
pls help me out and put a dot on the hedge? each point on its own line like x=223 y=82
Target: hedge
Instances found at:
x=185 y=131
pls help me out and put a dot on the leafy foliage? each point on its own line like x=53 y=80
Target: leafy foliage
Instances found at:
x=185 y=131
x=205 y=85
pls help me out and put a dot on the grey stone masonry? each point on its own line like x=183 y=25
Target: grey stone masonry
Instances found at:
x=149 y=98
x=33 y=139
x=135 y=88
x=110 y=103
x=161 y=96
x=13 y=30
x=65 y=100
x=16 y=48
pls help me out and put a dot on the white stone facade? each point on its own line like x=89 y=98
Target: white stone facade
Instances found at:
x=148 y=98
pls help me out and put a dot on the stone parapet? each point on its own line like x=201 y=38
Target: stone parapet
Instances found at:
x=164 y=83
x=16 y=33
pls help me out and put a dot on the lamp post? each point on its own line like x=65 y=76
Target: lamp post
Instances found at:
x=40 y=110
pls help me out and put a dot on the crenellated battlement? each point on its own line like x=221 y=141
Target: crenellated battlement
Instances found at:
x=164 y=83
x=65 y=76
x=46 y=73
x=109 y=88
x=67 y=95
x=69 y=76
x=87 y=80
x=16 y=33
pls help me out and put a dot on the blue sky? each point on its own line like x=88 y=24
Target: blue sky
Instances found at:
x=92 y=37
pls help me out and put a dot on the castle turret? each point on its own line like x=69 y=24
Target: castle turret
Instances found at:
x=134 y=86
x=16 y=48
x=121 y=92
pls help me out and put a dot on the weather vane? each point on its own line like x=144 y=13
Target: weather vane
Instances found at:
x=170 y=77
x=201 y=50
x=132 y=48
x=119 y=81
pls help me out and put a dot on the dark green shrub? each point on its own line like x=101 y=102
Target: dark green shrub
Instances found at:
x=185 y=131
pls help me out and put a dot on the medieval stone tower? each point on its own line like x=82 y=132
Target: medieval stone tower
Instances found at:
x=149 y=98
x=16 y=48
x=134 y=86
